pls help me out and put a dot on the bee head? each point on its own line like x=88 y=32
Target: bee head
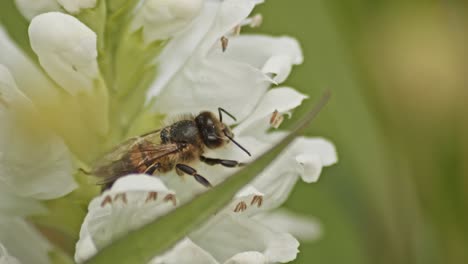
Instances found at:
x=214 y=132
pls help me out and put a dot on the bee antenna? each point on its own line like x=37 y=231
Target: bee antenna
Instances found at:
x=221 y=110
x=237 y=144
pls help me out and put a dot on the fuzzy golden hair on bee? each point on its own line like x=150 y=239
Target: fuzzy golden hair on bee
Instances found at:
x=170 y=120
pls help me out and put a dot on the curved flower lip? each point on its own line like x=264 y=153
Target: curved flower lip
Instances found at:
x=133 y=201
x=275 y=57
x=227 y=234
x=282 y=99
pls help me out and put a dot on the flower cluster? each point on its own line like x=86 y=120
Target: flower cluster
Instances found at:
x=97 y=72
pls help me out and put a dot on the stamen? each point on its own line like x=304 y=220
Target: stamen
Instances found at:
x=152 y=196
x=276 y=119
x=240 y=207
x=107 y=200
x=171 y=197
x=257 y=199
x=224 y=43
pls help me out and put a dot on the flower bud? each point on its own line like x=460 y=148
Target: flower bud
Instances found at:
x=66 y=49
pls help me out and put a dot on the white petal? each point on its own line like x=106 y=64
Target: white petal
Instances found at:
x=249 y=257
x=5 y=258
x=274 y=55
x=23 y=241
x=302 y=227
x=31 y=8
x=181 y=47
x=34 y=164
x=226 y=235
x=75 y=6
x=214 y=78
x=185 y=252
x=281 y=99
x=128 y=205
x=85 y=249
x=162 y=19
x=310 y=167
x=305 y=157
x=66 y=49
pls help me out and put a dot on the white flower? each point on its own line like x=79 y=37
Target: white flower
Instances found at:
x=83 y=85
x=55 y=111
x=136 y=199
x=237 y=80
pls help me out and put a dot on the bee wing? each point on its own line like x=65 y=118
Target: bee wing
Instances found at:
x=117 y=161
x=120 y=150
x=135 y=161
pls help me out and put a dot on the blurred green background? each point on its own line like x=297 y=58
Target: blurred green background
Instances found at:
x=398 y=117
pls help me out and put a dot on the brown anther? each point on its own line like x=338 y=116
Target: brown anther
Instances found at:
x=224 y=43
x=171 y=197
x=122 y=196
x=152 y=196
x=240 y=207
x=257 y=199
x=276 y=119
x=107 y=200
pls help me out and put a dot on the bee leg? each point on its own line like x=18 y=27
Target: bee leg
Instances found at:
x=152 y=168
x=223 y=162
x=191 y=171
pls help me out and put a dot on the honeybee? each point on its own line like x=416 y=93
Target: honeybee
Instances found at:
x=171 y=147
